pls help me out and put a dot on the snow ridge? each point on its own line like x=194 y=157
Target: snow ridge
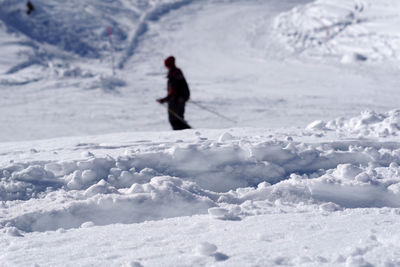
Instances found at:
x=368 y=124
x=233 y=166
x=215 y=176
x=163 y=197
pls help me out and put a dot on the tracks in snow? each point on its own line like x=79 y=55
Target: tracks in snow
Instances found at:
x=151 y=16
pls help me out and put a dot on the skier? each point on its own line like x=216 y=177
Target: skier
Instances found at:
x=178 y=94
x=30 y=7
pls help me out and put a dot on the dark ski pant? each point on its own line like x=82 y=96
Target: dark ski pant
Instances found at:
x=175 y=115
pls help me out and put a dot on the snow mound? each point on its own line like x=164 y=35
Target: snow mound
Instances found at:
x=102 y=204
x=367 y=124
x=206 y=249
x=214 y=166
x=356 y=30
x=228 y=179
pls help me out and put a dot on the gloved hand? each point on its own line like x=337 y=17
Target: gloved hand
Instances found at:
x=161 y=100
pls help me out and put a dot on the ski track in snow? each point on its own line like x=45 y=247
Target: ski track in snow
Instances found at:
x=348 y=30
x=151 y=16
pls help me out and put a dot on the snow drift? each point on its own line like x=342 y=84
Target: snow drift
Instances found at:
x=356 y=30
x=368 y=124
x=207 y=176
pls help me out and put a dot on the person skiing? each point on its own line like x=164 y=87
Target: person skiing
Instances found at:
x=178 y=94
x=30 y=7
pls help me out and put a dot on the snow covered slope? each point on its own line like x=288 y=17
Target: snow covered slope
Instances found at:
x=234 y=62
x=357 y=30
x=308 y=176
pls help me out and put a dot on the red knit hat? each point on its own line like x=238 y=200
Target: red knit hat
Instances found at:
x=169 y=62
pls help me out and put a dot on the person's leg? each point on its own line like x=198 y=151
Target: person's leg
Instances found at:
x=181 y=111
x=173 y=120
x=177 y=110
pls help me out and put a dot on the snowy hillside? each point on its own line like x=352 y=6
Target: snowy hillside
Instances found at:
x=92 y=175
x=61 y=54
x=234 y=66
x=359 y=30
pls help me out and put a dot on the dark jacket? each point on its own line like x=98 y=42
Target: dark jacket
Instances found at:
x=178 y=89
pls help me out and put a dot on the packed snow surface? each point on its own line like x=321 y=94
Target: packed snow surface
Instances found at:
x=301 y=169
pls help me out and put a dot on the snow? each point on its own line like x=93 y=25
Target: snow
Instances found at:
x=350 y=31
x=301 y=169
x=368 y=124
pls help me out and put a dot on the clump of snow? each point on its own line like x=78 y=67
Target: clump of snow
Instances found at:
x=225 y=137
x=210 y=250
x=329 y=207
x=316 y=125
x=206 y=249
x=224 y=214
x=87 y=224
x=101 y=187
x=347 y=171
x=12 y=231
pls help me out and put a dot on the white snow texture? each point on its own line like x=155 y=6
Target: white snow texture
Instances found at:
x=295 y=155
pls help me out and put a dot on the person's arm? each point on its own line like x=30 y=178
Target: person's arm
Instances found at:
x=168 y=97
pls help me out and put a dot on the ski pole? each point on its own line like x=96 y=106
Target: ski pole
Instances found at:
x=212 y=111
x=176 y=116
